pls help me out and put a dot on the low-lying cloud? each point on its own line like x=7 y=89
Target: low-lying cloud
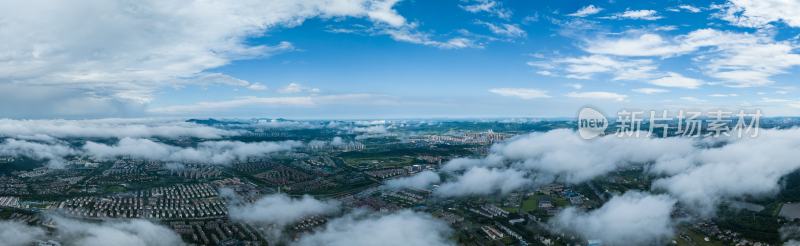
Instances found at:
x=420 y=180
x=463 y=164
x=484 y=181
x=124 y=233
x=633 y=218
x=699 y=172
x=215 y=152
x=134 y=232
x=396 y=229
x=110 y=128
x=563 y=155
x=14 y=233
x=744 y=167
x=281 y=210
x=52 y=153
x=209 y=152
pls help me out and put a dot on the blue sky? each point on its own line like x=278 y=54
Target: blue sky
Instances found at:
x=400 y=59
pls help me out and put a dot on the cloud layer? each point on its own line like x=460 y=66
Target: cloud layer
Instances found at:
x=14 y=233
x=562 y=155
x=363 y=228
x=700 y=173
x=745 y=167
x=215 y=152
x=123 y=233
x=109 y=128
x=633 y=218
x=135 y=47
x=484 y=181
x=73 y=232
x=281 y=210
x=420 y=180
x=52 y=153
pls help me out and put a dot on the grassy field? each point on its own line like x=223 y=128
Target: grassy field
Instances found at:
x=114 y=189
x=379 y=162
x=510 y=209
x=531 y=203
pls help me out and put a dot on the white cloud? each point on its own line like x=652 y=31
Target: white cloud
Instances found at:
x=410 y=35
x=585 y=67
x=507 y=30
x=677 y=80
x=489 y=6
x=396 y=229
x=14 y=233
x=122 y=232
x=420 y=180
x=647 y=44
x=692 y=99
x=462 y=164
x=750 y=13
x=370 y=122
x=586 y=11
x=575 y=86
x=19 y=100
x=745 y=60
x=689 y=8
x=522 y=93
x=214 y=152
x=38 y=140
x=774 y=100
x=134 y=48
x=724 y=95
x=372 y=130
x=666 y=28
x=297 y=88
x=218 y=78
x=52 y=153
x=633 y=218
x=281 y=210
x=561 y=154
x=685 y=7
x=650 y=91
x=73 y=232
x=739 y=59
x=484 y=181
x=699 y=172
x=337 y=141
x=206 y=107
x=644 y=14
x=257 y=87
x=744 y=167
x=599 y=95
x=109 y=128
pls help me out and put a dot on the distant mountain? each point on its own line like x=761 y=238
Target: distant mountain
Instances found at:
x=208 y=122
